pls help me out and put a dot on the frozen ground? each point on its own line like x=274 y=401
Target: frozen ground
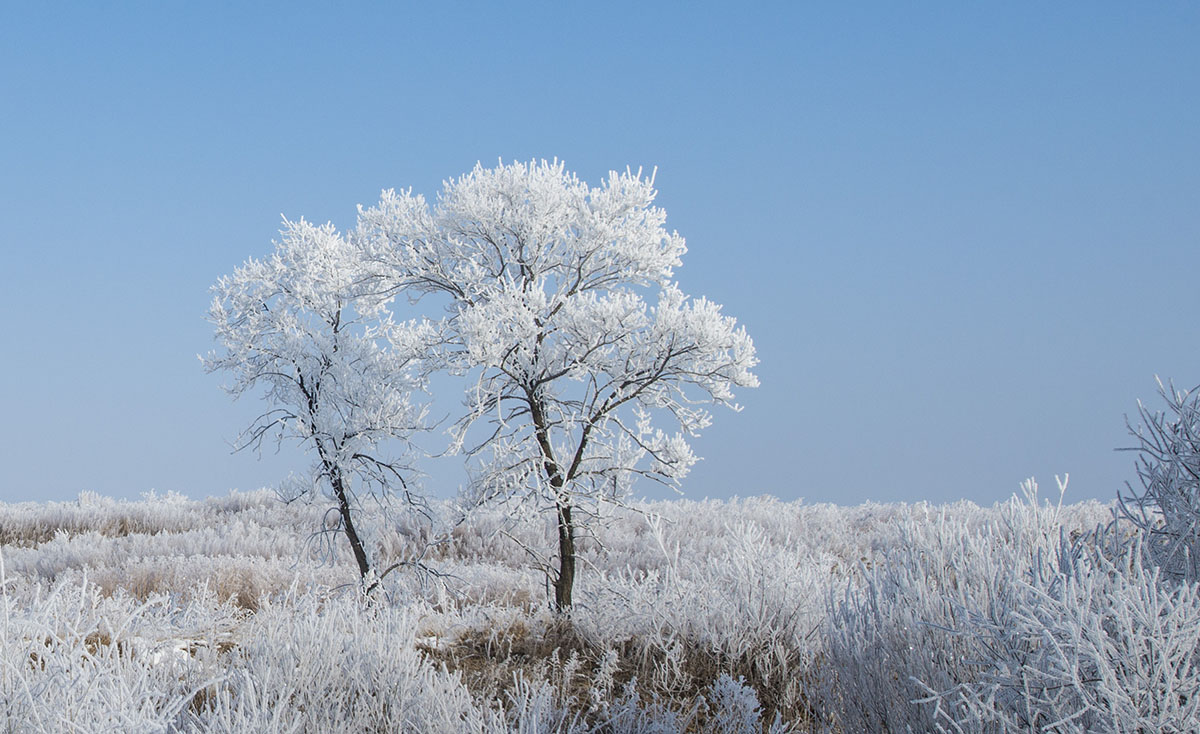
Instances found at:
x=736 y=616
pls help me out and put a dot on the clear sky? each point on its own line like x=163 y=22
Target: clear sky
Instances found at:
x=964 y=236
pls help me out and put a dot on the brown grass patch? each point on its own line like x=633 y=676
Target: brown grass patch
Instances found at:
x=678 y=675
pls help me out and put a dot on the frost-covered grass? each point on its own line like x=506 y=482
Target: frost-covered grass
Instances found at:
x=717 y=616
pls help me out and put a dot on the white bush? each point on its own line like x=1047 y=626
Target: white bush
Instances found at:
x=1167 y=511
x=1084 y=643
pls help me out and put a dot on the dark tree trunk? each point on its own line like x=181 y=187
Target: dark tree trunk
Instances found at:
x=566 y=530
x=566 y=559
x=334 y=473
x=565 y=581
x=360 y=553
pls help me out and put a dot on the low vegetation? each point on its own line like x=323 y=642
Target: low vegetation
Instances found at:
x=748 y=615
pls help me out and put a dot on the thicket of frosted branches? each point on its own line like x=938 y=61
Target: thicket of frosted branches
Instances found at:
x=748 y=615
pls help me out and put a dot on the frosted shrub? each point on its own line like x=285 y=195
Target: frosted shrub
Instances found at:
x=536 y=709
x=1167 y=511
x=750 y=606
x=71 y=659
x=734 y=709
x=336 y=666
x=1089 y=643
x=27 y=524
x=630 y=714
x=897 y=625
x=890 y=627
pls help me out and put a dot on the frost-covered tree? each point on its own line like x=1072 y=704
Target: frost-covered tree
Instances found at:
x=337 y=372
x=546 y=282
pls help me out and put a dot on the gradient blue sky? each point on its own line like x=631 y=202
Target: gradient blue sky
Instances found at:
x=963 y=235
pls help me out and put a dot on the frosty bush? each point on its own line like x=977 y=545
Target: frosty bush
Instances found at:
x=1167 y=511
x=74 y=660
x=896 y=631
x=1089 y=640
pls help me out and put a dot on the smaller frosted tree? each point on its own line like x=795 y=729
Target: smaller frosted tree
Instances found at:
x=545 y=281
x=337 y=373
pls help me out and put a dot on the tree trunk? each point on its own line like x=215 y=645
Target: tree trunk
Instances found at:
x=566 y=559
x=565 y=581
x=335 y=478
x=360 y=554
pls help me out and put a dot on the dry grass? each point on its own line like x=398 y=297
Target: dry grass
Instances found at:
x=553 y=649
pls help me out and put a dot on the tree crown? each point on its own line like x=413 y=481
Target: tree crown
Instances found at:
x=546 y=282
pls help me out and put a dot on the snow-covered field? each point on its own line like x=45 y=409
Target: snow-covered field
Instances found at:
x=719 y=616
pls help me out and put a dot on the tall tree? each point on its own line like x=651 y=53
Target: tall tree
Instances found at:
x=337 y=372
x=545 y=281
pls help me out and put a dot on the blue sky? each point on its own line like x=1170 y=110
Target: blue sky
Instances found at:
x=963 y=236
